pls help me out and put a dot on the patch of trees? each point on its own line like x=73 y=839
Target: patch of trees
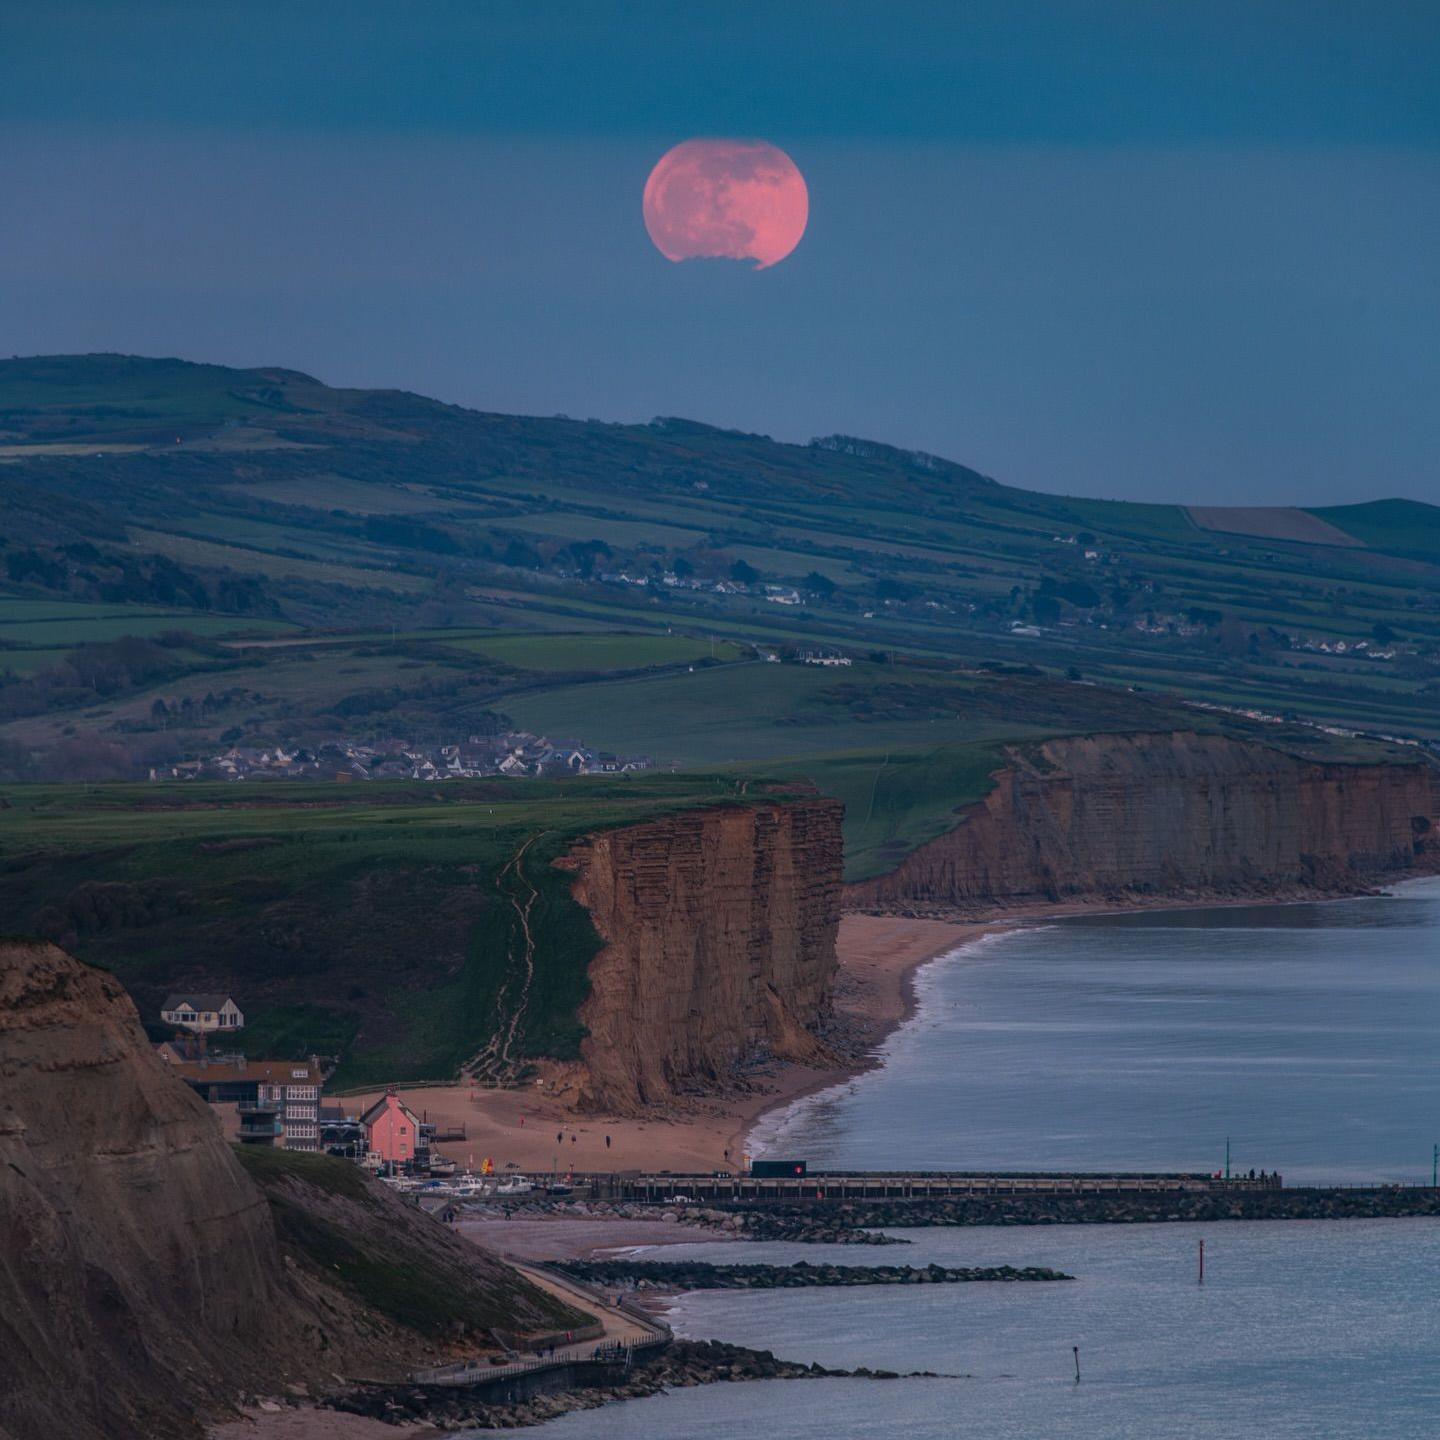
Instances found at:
x=104 y=670
x=184 y=712
x=85 y=572
x=1079 y=593
x=406 y=533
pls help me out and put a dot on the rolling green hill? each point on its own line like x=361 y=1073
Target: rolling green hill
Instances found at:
x=150 y=496
x=263 y=498
x=1397 y=527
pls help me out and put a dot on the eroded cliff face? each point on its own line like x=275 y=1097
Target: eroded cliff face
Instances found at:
x=135 y=1256
x=1175 y=814
x=719 y=928
x=142 y=1283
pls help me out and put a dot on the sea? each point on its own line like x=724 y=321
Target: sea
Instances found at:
x=1299 y=1038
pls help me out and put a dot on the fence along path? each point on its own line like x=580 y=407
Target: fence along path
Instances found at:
x=627 y=1331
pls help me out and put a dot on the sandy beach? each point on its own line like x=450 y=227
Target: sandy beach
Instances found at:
x=528 y=1130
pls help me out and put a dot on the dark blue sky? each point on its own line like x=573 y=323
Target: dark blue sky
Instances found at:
x=1163 y=250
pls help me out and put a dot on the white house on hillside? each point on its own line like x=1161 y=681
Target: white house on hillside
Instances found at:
x=192 y=1010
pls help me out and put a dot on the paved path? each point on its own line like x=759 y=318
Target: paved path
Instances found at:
x=621 y=1326
x=623 y=1329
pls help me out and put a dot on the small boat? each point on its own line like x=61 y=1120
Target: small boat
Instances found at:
x=517 y=1186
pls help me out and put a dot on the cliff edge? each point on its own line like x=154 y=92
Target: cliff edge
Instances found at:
x=142 y=1281
x=719 y=946
x=1170 y=815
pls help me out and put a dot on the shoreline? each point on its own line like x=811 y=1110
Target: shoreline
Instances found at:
x=880 y=956
x=970 y=927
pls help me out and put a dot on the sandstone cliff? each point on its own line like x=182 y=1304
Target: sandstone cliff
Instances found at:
x=719 y=946
x=1171 y=815
x=142 y=1283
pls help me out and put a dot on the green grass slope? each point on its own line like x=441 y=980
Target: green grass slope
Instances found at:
x=341 y=1228
x=1407 y=528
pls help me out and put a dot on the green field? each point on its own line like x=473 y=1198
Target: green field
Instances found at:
x=898 y=800
x=597 y=652
x=1400 y=527
x=92 y=630
x=23 y=662
x=757 y=711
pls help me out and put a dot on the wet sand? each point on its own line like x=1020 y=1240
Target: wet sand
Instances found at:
x=574 y=1237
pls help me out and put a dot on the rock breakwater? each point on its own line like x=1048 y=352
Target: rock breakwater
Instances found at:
x=701 y=1275
x=1118 y=1208
x=680 y=1365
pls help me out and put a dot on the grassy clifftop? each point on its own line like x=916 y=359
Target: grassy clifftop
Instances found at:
x=373 y=921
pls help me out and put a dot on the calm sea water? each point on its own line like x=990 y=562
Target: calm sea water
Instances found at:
x=1302 y=1330
x=1307 y=1034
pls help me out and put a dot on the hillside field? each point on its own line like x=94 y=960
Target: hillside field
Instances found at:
x=265 y=498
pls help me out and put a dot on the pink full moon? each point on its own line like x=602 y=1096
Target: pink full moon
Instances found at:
x=726 y=200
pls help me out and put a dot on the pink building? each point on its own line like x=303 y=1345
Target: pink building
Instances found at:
x=391 y=1129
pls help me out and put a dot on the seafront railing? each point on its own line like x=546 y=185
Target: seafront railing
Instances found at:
x=474 y=1372
x=614 y=1353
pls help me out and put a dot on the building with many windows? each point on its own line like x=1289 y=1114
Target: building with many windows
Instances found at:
x=291 y=1087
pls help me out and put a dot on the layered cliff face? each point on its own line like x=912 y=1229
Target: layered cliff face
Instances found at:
x=142 y=1283
x=1176 y=814
x=719 y=928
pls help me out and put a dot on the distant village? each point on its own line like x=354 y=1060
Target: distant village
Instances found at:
x=517 y=753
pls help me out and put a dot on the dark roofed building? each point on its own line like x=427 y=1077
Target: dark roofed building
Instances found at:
x=293 y=1087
